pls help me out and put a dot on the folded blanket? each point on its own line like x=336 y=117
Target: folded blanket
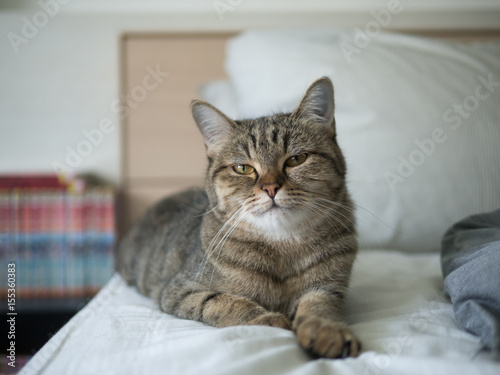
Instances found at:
x=470 y=262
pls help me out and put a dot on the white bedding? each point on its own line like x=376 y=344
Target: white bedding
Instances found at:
x=396 y=306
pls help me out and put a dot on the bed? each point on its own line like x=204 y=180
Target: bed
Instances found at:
x=396 y=307
x=419 y=123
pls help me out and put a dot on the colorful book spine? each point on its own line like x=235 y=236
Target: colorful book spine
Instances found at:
x=60 y=237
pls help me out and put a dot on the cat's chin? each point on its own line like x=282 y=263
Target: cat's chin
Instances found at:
x=279 y=223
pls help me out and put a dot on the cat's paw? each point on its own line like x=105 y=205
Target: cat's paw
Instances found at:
x=271 y=319
x=326 y=338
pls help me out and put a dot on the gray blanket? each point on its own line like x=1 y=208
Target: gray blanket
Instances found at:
x=470 y=261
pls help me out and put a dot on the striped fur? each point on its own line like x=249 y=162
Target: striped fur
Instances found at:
x=233 y=255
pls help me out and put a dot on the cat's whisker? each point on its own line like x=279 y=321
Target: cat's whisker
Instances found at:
x=361 y=217
x=209 y=250
x=324 y=210
x=233 y=227
x=301 y=198
x=375 y=216
x=350 y=209
x=358 y=206
x=223 y=240
x=331 y=210
x=206 y=213
x=309 y=213
x=319 y=204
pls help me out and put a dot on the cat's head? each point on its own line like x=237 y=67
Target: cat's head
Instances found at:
x=277 y=174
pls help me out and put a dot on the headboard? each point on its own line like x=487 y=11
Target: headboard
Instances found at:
x=162 y=149
x=161 y=73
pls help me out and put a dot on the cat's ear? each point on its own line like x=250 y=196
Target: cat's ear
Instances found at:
x=215 y=126
x=318 y=106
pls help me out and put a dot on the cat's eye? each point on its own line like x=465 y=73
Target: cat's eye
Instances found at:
x=296 y=160
x=243 y=169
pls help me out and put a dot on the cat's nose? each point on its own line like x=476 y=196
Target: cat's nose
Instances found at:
x=271 y=189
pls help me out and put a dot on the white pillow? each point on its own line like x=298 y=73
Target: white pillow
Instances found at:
x=221 y=94
x=417 y=162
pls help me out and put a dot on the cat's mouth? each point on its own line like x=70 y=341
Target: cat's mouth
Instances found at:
x=272 y=207
x=275 y=207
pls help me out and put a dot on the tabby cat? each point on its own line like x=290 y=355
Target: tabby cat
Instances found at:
x=271 y=241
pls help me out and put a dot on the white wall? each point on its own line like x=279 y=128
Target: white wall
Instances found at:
x=124 y=6
x=64 y=79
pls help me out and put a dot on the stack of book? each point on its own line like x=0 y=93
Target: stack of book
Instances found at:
x=59 y=234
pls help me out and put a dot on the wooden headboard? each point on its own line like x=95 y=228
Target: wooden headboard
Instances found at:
x=162 y=149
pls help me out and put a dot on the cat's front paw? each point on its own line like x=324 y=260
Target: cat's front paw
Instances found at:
x=271 y=319
x=326 y=338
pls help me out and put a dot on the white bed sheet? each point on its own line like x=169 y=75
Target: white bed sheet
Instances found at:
x=396 y=306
